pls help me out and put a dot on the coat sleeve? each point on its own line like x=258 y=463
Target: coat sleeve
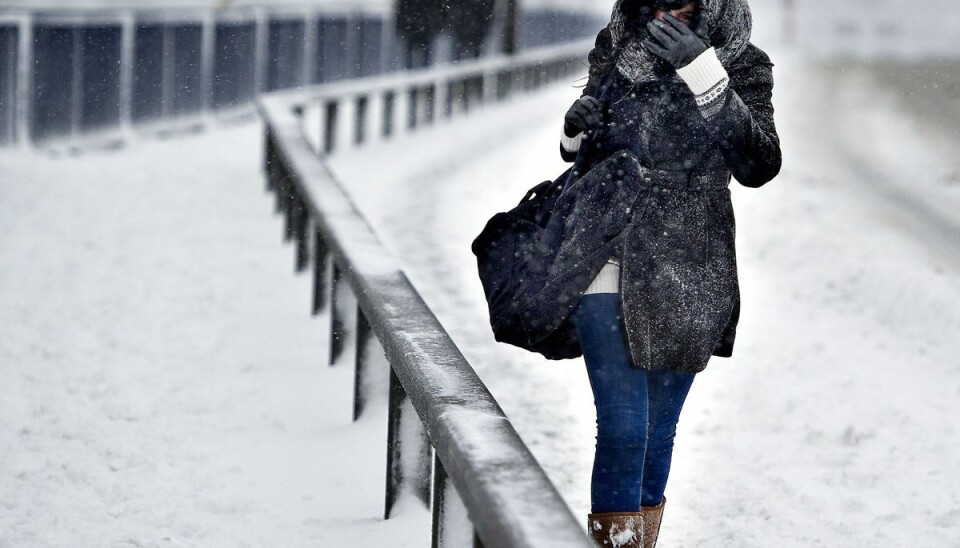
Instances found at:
x=602 y=47
x=744 y=127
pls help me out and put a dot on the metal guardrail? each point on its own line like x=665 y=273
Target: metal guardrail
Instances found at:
x=504 y=497
x=64 y=73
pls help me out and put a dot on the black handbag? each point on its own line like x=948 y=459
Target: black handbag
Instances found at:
x=510 y=251
x=513 y=255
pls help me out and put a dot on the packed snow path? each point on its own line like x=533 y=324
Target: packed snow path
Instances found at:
x=164 y=385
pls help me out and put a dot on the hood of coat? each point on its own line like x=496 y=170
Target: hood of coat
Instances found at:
x=730 y=24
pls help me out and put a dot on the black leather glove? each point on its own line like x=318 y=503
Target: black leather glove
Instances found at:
x=678 y=44
x=583 y=115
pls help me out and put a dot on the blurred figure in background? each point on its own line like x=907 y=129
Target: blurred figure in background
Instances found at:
x=470 y=21
x=419 y=22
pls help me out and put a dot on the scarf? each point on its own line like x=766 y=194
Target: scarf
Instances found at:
x=730 y=26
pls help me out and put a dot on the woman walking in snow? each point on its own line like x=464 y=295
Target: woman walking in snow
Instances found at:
x=679 y=86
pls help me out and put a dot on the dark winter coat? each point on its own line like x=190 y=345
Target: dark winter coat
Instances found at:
x=652 y=190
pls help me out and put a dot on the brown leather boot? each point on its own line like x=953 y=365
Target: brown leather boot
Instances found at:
x=616 y=529
x=652 y=515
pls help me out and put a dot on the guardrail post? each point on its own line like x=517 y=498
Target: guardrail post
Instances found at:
x=402 y=106
x=319 y=272
x=207 y=52
x=429 y=104
x=330 y=126
x=301 y=221
x=427 y=93
x=260 y=49
x=310 y=48
x=360 y=120
x=412 y=108
x=10 y=70
x=271 y=163
x=25 y=62
x=451 y=525
x=451 y=94
x=337 y=325
x=361 y=361
x=126 y=68
x=389 y=112
x=465 y=91
x=465 y=100
x=289 y=203
x=280 y=190
x=408 y=448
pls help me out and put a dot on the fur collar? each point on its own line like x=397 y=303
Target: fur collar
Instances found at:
x=730 y=27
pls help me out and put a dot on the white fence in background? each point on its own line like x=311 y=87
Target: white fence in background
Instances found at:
x=65 y=73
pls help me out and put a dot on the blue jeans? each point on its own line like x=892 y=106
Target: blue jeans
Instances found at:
x=637 y=411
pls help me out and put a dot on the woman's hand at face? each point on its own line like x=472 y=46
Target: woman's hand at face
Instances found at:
x=675 y=42
x=583 y=115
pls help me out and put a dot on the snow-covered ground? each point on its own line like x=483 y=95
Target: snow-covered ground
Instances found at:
x=164 y=385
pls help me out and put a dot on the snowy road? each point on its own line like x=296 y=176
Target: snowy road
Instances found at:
x=164 y=386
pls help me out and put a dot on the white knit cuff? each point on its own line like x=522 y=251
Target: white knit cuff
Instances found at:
x=570 y=144
x=704 y=72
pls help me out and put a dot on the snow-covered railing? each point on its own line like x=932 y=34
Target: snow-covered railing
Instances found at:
x=70 y=71
x=502 y=497
x=349 y=113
